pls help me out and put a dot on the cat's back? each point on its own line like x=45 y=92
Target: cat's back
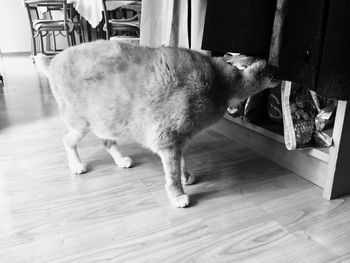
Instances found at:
x=130 y=74
x=98 y=60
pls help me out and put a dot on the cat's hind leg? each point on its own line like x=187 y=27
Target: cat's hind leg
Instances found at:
x=112 y=148
x=171 y=160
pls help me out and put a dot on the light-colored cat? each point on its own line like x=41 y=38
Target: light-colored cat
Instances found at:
x=160 y=97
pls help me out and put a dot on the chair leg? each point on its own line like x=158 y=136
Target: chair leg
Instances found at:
x=82 y=33
x=48 y=42
x=54 y=41
x=41 y=42
x=72 y=37
x=67 y=37
x=108 y=33
x=33 y=45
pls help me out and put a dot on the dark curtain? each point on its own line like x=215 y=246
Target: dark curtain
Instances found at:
x=242 y=26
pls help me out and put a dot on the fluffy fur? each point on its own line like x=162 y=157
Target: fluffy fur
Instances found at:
x=160 y=97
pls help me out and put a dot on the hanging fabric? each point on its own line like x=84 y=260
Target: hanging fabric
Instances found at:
x=173 y=23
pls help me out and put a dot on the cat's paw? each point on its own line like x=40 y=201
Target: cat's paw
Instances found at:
x=188 y=179
x=125 y=162
x=180 y=201
x=78 y=168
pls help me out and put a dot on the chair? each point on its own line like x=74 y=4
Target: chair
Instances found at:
x=123 y=28
x=49 y=27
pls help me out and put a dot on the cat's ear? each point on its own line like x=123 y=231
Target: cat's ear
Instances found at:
x=239 y=61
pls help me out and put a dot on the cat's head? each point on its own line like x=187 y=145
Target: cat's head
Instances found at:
x=258 y=76
x=255 y=76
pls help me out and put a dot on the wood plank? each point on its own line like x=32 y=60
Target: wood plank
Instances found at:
x=277 y=32
x=303 y=164
x=256 y=128
x=338 y=179
x=319 y=153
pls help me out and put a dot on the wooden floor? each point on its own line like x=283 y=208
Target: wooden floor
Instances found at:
x=244 y=208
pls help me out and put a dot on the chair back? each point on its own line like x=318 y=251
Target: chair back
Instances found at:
x=51 y=6
x=134 y=6
x=45 y=24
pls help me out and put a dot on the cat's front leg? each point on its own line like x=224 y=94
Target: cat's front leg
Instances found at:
x=171 y=159
x=187 y=178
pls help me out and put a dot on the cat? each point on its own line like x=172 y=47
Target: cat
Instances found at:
x=160 y=97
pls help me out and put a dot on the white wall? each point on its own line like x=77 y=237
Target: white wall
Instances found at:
x=14 y=27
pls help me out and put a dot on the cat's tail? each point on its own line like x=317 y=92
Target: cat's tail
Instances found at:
x=42 y=62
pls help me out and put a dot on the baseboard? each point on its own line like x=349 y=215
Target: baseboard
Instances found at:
x=16 y=54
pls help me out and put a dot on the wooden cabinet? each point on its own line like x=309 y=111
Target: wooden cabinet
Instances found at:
x=314 y=52
x=315 y=46
x=241 y=25
x=334 y=71
x=302 y=42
